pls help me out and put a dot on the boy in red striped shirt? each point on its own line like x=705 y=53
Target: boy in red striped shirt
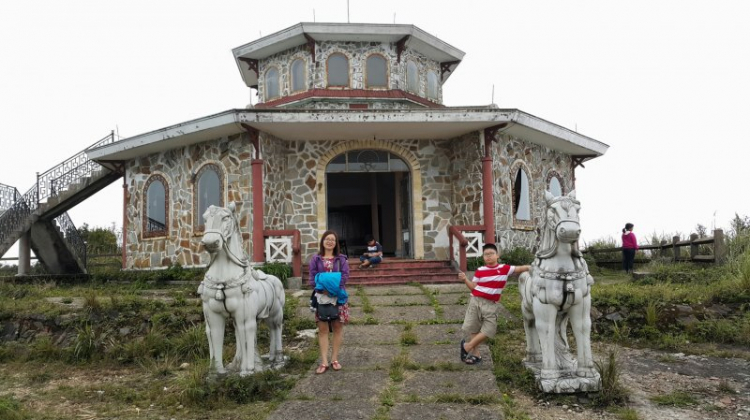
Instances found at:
x=480 y=321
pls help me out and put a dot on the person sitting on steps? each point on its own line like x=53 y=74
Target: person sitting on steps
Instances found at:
x=374 y=254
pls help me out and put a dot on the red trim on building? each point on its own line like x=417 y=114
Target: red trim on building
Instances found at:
x=350 y=94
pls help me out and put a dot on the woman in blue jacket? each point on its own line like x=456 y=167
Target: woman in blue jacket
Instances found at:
x=329 y=259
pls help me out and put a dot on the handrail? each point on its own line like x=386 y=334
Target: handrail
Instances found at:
x=455 y=231
x=48 y=182
x=296 y=247
x=8 y=196
x=70 y=233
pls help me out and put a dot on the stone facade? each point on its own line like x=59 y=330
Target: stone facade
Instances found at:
x=449 y=175
x=356 y=53
x=181 y=244
x=540 y=162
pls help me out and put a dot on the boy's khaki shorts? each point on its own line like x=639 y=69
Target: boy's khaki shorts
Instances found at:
x=481 y=316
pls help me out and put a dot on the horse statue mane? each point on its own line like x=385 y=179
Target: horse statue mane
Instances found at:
x=232 y=288
x=555 y=292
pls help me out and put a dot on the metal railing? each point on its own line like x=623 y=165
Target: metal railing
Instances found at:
x=49 y=184
x=8 y=197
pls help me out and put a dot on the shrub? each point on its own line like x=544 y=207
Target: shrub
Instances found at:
x=10 y=409
x=278 y=269
x=517 y=256
x=612 y=391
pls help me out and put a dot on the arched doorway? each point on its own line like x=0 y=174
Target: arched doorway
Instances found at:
x=369 y=192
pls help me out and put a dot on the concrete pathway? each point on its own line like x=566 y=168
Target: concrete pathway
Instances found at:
x=400 y=361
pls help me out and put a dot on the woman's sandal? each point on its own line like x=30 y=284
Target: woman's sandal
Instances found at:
x=473 y=360
x=336 y=365
x=321 y=369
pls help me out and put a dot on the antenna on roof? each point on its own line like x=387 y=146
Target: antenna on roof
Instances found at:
x=347 y=11
x=394 y=18
x=493 y=93
x=313 y=15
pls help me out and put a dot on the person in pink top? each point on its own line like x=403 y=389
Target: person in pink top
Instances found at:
x=629 y=246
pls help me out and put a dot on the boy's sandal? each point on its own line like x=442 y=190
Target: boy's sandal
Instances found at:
x=464 y=353
x=473 y=360
x=336 y=365
x=321 y=369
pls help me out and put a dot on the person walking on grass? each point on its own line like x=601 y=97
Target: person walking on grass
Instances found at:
x=329 y=259
x=629 y=246
x=480 y=320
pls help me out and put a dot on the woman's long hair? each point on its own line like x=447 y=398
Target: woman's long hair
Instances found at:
x=322 y=250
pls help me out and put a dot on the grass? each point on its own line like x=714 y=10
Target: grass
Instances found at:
x=675 y=399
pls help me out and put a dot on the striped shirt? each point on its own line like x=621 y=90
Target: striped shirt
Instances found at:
x=490 y=281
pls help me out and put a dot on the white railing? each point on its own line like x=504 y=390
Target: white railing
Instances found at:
x=279 y=249
x=474 y=248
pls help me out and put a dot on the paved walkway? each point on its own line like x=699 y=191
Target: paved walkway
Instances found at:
x=382 y=378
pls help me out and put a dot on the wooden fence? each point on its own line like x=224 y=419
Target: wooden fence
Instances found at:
x=672 y=251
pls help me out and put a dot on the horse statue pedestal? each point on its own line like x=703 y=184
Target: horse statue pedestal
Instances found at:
x=555 y=292
x=232 y=289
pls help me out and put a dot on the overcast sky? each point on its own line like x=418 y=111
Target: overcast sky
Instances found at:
x=666 y=84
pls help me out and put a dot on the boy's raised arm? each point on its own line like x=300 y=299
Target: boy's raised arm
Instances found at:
x=470 y=284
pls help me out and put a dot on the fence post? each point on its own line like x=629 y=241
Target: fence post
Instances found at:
x=693 y=246
x=663 y=247
x=720 y=247
x=675 y=248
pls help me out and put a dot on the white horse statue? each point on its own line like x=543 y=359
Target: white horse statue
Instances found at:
x=557 y=290
x=232 y=288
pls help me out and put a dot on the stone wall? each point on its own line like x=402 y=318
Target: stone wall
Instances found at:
x=466 y=177
x=181 y=244
x=508 y=153
x=357 y=53
x=274 y=151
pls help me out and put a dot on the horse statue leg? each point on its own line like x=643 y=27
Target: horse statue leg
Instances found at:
x=533 y=351
x=580 y=321
x=215 y=324
x=545 y=321
x=246 y=330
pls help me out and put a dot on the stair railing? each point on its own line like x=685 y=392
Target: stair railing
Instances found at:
x=8 y=197
x=69 y=231
x=49 y=184
x=59 y=178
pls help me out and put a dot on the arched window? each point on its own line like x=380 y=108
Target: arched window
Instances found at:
x=432 y=85
x=272 y=83
x=155 y=207
x=208 y=191
x=555 y=187
x=337 y=68
x=377 y=71
x=521 y=196
x=412 y=77
x=299 y=76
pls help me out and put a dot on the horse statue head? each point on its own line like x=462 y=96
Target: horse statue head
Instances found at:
x=222 y=232
x=561 y=225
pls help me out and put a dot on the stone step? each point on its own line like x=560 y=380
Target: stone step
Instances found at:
x=395 y=280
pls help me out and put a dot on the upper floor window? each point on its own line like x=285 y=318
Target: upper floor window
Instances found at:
x=521 y=196
x=412 y=77
x=555 y=187
x=377 y=71
x=337 y=68
x=272 y=83
x=298 y=75
x=156 y=193
x=208 y=191
x=432 y=85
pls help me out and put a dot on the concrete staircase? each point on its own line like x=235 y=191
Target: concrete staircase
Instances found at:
x=42 y=211
x=398 y=271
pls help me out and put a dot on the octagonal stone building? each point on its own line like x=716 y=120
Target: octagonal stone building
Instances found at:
x=350 y=133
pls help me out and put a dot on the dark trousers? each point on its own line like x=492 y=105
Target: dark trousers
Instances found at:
x=628 y=256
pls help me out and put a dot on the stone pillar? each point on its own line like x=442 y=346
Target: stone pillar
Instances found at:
x=720 y=247
x=488 y=201
x=258 y=239
x=125 y=221
x=24 y=254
